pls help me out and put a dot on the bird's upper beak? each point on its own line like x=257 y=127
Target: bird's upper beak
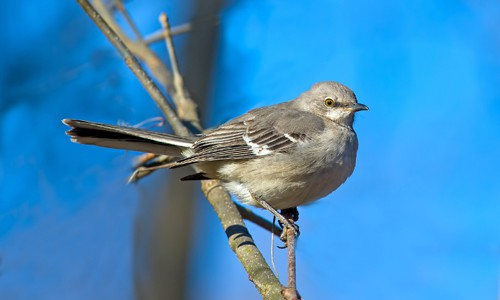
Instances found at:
x=358 y=106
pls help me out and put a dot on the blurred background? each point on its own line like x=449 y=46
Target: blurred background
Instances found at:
x=419 y=218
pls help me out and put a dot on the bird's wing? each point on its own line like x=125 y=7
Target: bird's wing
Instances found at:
x=257 y=133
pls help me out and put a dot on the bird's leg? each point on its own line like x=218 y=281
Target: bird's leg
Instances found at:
x=285 y=223
x=291 y=215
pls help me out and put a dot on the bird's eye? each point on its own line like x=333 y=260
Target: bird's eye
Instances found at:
x=329 y=102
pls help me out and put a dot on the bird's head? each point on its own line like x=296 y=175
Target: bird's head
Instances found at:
x=331 y=100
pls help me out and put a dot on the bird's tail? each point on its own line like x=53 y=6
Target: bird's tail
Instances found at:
x=127 y=138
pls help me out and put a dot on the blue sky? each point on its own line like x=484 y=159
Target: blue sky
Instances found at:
x=417 y=220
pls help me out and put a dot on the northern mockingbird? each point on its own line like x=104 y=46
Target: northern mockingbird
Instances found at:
x=276 y=157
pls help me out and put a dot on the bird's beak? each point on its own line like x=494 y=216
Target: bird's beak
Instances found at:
x=357 y=107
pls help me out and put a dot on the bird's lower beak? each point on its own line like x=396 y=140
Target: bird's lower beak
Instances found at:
x=358 y=106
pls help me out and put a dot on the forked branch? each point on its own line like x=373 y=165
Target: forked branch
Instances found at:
x=239 y=239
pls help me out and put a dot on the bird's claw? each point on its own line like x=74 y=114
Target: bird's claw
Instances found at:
x=289 y=226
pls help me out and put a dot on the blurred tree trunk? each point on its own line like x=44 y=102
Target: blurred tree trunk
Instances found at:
x=164 y=225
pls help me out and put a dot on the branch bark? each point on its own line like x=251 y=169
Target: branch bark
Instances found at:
x=290 y=292
x=241 y=241
x=249 y=215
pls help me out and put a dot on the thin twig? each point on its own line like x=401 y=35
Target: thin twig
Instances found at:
x=146 y=166
x=180 y=95
x=159 y=35
x=272 y=251
x=178 y=81
x=292 y=270
x=180 y=29
x=248 y=214
x=136 y=68
x=119 y=5
x=290 y=292
x=143 y=159
x=141 y=50
x=186 y=106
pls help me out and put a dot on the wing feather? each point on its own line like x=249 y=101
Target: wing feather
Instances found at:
x=258 y=133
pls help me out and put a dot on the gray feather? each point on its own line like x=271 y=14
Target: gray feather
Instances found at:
x=128 y=138
x=272 y=129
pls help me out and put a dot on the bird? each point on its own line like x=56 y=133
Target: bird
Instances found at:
x=276 y=157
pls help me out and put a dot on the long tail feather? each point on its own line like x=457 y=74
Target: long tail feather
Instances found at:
x=128 y=138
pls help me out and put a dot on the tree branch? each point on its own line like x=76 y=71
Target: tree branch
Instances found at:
x=290 y=292
x=157 y=67
x=181 y=98
x=241 y=242
x=136 y=68
x=239 y=238
x=119 y=5
x=249 y=215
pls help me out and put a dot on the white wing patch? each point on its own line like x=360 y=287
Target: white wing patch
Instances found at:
x=294 y=140
x=256 y=148
x=268 y=143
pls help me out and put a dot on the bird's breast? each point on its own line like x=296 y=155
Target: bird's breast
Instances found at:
x=294 y=178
